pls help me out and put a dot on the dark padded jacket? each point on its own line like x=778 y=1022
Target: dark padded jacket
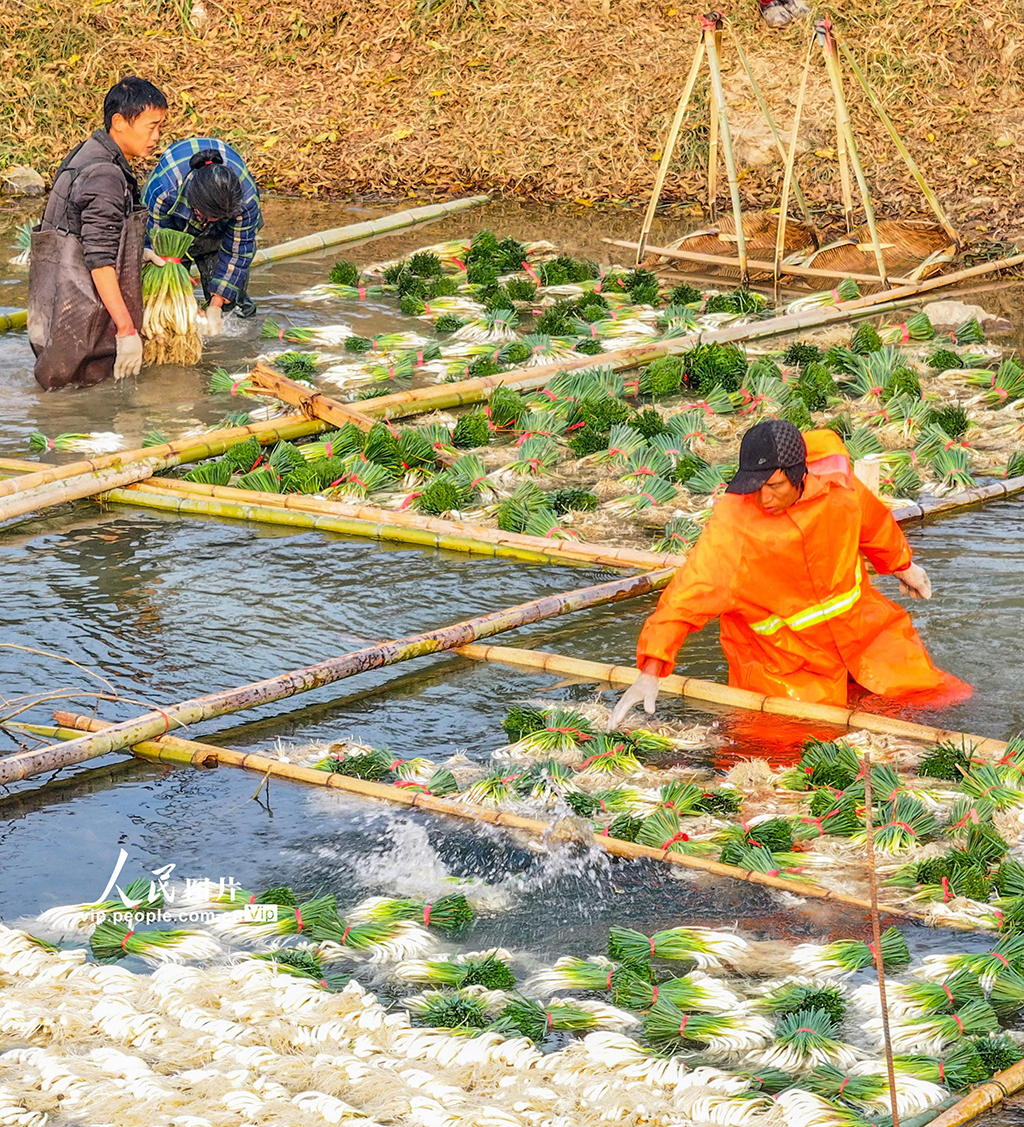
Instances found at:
x=93 y=204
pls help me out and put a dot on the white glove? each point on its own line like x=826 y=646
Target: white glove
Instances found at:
x=214 y=320
x=914 y=582
x=149 y=255
x=128 y=359
x=644 y=688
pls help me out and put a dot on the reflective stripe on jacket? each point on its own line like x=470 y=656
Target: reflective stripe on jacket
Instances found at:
x=799 y=617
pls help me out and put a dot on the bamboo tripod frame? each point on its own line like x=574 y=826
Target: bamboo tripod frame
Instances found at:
x=709 y=46
x=850 y=167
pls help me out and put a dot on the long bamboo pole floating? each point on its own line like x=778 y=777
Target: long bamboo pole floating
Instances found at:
x=368 y=229
x=403 y=525
x=188 y=449
x=227 y=701
x=99 y=481
x=9 y=322
x=418 y=400
x=669 y=149
x=508 y=546
x=711 y=692
x=177 y=750
x=312 y=404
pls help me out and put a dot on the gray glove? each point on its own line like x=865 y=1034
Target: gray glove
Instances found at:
x=644 y=688
x=914 y=582
x=128 y=360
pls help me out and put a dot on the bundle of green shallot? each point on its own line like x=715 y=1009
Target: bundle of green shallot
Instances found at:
x=170 y=316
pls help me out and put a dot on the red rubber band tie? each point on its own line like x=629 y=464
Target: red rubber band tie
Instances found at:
x=682 y=1024
x=842 y=1086
x=652 y=945
x=426 y=914
x=344 y=935
x=298 y=919
x=128 y=935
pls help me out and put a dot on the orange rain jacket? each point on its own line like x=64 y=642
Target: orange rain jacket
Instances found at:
x=799 y=617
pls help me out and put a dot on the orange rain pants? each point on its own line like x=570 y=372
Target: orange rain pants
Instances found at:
x=799 y=617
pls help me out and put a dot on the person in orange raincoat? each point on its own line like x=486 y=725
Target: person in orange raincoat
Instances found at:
x=781 y=562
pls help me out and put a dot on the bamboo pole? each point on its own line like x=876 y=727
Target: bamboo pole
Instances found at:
x=312 y=404
x=712 y=152
x=227 y=701
x=876 y=105
x=171 y=453
x=801 y=200
x=368 y=229
x=876 y=935
x=790 y=159
x=19 y=465
x=366 y=519
x=525 y=549
x=418 y=400
x=9 y=322
x=846 y=126
x=713 y=40
x=909 y=289
x=755 y=264
x=58 y=487
x=713 y=693
x=669 y=149
x=983 y=1098
x=179 y=750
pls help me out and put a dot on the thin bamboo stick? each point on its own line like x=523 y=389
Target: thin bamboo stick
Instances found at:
x=876 y=105
x=876 y=934
x=299 y=511
x=162 y=720
x=669 y=149
x=821 y=32
x=713 y=693
x=846 y=126
x=712 y=152
x=368 y=229
x=312 y=404
x=200 y=754
x=170 y=454
x=713 y=40
x=557 y=550
x=801 y=200
x=790 y=159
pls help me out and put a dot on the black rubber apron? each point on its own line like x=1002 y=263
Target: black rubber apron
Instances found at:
x=71 y=332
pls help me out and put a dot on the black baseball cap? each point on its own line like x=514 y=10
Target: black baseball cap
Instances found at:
x=772 y=445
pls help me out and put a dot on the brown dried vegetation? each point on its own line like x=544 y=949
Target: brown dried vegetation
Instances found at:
x=557 y=101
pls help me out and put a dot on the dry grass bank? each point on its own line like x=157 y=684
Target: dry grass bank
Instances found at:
x=554 y=101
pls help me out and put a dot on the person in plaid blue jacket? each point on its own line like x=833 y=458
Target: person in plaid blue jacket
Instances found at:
x=202 y=186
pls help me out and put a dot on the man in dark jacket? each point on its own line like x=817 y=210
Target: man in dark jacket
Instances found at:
x=85 y=288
